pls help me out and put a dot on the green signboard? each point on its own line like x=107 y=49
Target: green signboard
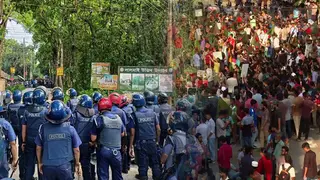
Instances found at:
x=153 y=78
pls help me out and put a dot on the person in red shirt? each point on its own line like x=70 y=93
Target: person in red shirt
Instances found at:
x=224 y=155
x=265 y=164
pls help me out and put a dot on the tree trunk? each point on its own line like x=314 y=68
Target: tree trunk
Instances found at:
x=3 y=25
x=61 y=63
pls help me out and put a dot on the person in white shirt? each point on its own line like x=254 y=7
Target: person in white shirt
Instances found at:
x=221 y=126
x=231 y=82
x=202 y=128
x=286 y=167
x=211 y=136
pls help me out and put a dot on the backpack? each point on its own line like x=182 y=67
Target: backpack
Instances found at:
x=284 y=174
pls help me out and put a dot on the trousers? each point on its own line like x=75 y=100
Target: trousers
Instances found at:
x=30 y=161
x=57 y=172
x=148 y=157
x=106 y=158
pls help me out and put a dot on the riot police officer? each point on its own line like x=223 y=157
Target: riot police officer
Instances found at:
x=165 y=110
x=57 y=94
x=147 y=132
x=83 y=120
x=73 y=101
x=45 y=90
x=7 y=98
x=174 y=151
x=7 y=138
x=128 y=109
x=13 y=111
x=115 y=98
x=96 y=96
x=27 y=101
x=34 y=116
x=150 y=102
x=108 y=131
x=57 y=144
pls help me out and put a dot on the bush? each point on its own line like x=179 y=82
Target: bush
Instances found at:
x=16 y=87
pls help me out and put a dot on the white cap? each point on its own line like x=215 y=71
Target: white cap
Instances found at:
x=293 y=74
x=254 y=164
x=223 y=88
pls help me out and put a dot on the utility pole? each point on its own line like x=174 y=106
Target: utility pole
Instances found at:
x=170 y=33
x=24 y=59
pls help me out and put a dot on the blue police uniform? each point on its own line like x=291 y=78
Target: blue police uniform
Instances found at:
x=146 y=122
x=57 y=142
x=165 y=110
x=34 y=116
x=83 y=123
x=175 y=146
x=7 y=135
x=13 y=116
x=120 y=113
x=109 y=128
x=95 y=107
x=21 y=111
x=128 y=109
x=72 y=104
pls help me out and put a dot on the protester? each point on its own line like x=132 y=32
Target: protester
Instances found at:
x=224 y=155
x=310 y=163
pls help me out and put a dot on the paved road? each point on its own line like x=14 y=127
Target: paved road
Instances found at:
x=295 y=151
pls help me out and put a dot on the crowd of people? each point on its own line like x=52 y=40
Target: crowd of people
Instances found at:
x=274 y=102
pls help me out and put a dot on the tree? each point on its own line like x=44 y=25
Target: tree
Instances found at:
x=6 y=9
x=14 y=54
x=75 y=33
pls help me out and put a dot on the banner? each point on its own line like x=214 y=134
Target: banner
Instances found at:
x=100 y=68
x=134 y=78
x=101 y=78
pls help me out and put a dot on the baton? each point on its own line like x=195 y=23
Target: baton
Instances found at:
x=15 y=168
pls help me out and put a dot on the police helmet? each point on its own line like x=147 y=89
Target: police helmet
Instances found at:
x=162 y=98
x=57 y=94
x=72 y=93
x=27 y=97
x=85 y=101
x=38 y=97
x=138 y=100
x=124 y=101
x=57 y=112
x=7 y=95
x=115 y=98
x=96 y=96
x=149 y=96
x=44 y=90
x=104 y=104
x=17 y=95
x=178 y=122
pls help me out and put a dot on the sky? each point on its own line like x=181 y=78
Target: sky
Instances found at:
x=16 y=31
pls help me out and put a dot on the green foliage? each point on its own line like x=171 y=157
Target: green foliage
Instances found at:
x=16 y=87
x=14 y=55
x=119 y=32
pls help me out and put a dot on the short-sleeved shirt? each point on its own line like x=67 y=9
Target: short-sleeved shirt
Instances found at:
x=76 y=141
x=203 y=129
x=212 y=127
x=9 y=132
x=220 y=128
x=310 y=161
x=228 y=129
x=277 y=149
x=306 y=109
